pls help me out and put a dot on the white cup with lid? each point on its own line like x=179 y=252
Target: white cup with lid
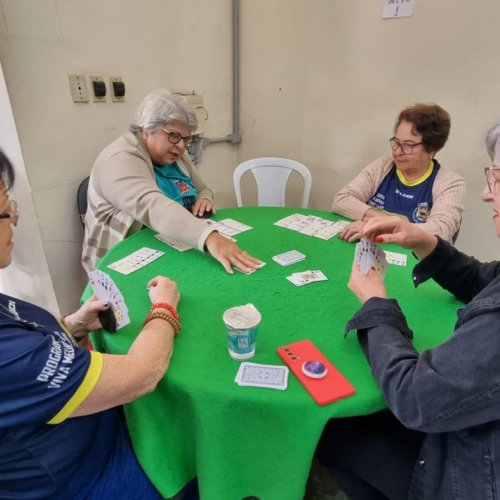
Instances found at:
x=241 y=328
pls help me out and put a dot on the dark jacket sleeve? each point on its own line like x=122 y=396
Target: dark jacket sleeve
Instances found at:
x=453 y=386
x=460 y=274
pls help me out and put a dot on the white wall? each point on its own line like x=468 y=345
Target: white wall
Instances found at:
x=322 y=82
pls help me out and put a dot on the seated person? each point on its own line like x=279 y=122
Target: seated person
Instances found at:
x=61 y=433
x=145 y=177
x=445 y=440
x=411 y=183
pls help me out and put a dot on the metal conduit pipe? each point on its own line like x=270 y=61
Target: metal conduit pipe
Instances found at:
x=235 y=137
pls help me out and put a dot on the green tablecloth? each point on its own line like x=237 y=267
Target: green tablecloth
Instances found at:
x=243 y=441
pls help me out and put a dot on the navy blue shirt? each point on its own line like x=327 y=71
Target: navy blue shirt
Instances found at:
x=400 y=196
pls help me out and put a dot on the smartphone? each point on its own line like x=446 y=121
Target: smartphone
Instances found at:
x=318 y=375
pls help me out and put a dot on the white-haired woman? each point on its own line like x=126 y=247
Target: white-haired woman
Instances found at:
x=145 y=177
x=445 y=440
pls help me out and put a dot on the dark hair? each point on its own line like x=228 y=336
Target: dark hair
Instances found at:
x=431 y=121
x=6 y=170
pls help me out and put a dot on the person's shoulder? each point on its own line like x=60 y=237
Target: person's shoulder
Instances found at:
x=127 y=145
x=382 y=164
x=448 y=175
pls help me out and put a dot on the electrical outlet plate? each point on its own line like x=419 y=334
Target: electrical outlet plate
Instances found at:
x=96 y=78
x=78 y=87
x=114 y=97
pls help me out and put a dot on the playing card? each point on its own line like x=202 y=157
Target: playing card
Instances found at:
x=368 y=254
x=399 y=259
x=258 y=375
x=106 y=290
x=288 y=258
x=136 y=260
x=228 y=227
x=181 y=247
x=306 y=277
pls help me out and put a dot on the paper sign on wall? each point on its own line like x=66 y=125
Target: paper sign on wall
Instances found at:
x=398 y=8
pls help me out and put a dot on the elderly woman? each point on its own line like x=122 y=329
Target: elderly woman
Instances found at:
x=411 y=182
x=145 y=177
x=60 y=431
x=449 y=393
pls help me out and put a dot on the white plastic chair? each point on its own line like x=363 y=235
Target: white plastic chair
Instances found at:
x=271 y=176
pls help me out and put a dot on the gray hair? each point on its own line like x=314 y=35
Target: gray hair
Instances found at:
x=492 y=141
x=159 y=108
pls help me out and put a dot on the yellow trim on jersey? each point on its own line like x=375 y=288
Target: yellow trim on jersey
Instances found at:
x=426 y=175
x=88 y=383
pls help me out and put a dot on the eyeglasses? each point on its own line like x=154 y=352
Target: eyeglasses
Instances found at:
x=406 y=147
x=492 y=177
x=175 y=138
x=12 y=214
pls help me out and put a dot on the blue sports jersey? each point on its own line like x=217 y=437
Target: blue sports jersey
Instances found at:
x=45 y=376
x=175 y=184
x=399 y=196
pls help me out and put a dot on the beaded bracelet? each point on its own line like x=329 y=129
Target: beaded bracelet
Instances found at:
x=168 y=307
x=176 y=325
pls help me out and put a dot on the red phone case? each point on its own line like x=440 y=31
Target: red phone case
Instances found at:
x=332 y=387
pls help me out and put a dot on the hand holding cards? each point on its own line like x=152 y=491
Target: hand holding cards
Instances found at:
x=368 y=254
x=105 y=290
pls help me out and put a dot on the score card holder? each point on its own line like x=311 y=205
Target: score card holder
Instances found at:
x=332 y=387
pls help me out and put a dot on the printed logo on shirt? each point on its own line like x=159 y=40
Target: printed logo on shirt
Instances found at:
x=422 y=212
x=181 y=185
x=377 y=201
x=59 y=361
x=404 y=195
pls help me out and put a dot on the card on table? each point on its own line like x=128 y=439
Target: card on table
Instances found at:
x=259 y=375
x=288 y=258
x=229 y=227
x=368 y=254
x=399 y=259
x=181 y=247
x=136 y=260
x=306 y=277
x=106 y=290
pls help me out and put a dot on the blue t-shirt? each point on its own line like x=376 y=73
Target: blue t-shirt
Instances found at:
x=175 y=184
x=45 y=376
x=400 y=196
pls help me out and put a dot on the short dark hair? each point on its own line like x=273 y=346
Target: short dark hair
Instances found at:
x=431 y=121
x=6 y=170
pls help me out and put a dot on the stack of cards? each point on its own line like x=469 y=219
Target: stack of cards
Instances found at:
x=136 y=260
x=288 y=258
x=368 y=254
x=306 y=277
x=256 y=375
x=106 y=291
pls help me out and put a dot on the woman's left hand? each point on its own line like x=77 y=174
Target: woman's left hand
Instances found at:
x=353 y=231
x=203 y=206
x=366 y=286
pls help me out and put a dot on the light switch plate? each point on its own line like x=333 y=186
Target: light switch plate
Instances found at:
x=78 y=87
x=114 y=97
x=96 y=78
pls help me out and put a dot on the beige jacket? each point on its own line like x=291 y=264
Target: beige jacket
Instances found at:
x=123 y=196
x=448 y=193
